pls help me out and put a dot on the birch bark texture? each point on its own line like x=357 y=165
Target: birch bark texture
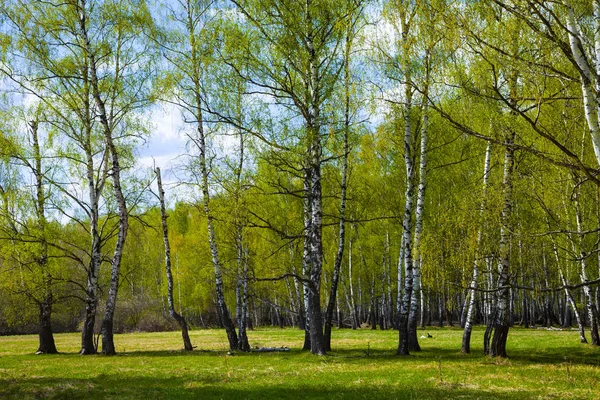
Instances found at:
x=119 y=87
x=407 y=222
x=299 y=66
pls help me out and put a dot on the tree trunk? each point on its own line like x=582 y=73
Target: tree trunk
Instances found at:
x=502 y=316
x=187 y=344
x=342 y=226
x=46 y=336
x=306 y=259
x=466 y=341
x=413 y=341
x=351 y=302
x=407 y=225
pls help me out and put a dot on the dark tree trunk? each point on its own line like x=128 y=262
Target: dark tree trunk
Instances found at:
x=46 y=337
x=87 y=334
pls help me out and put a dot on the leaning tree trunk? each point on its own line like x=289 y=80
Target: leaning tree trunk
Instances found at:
x=466 y=342
x=502 y=318
x=108 y=346
x=187 y=344
x=46 y=336
x=588 y=74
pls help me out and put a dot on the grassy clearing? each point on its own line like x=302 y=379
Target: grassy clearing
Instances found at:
x=542 y=364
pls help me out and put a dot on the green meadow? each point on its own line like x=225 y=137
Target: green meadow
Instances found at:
x=541 y=365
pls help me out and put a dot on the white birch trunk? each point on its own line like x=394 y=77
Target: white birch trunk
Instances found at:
x=589 y=83
x=108 y=346
x=416 y=294
x=407 y=225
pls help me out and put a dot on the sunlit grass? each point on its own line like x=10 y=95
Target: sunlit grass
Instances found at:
x=541 y=364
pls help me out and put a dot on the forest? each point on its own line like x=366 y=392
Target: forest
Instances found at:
x=348 y=164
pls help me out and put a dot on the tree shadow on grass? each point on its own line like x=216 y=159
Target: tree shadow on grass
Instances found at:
x=215 y=387
x=555 y=355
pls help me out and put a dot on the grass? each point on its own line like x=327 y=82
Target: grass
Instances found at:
x=541 y=365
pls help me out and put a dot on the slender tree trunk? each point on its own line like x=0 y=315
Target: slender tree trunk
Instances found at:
x=353 y=310
x=400 y=283
x=390 y=302
x=187 y=344
x=200 y=141
x=342 y=226
x=242 y=253
x=466 y=342
x=242 y=321
x=413 y=341
x=407 y=225
x=300 y=302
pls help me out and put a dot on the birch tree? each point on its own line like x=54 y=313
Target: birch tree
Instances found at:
x=121 y=90
x=298 y=68
x=53 y=69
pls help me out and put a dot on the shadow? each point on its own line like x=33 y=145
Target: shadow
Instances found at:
x=212 y=387
x=584 y=355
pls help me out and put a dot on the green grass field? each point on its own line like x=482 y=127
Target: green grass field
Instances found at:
x=541 y=364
